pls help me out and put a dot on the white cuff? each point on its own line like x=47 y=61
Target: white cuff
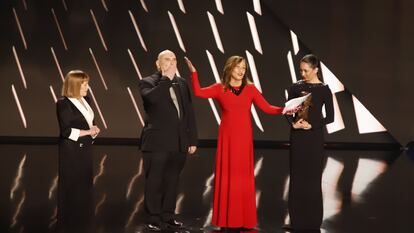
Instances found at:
x=74 y=134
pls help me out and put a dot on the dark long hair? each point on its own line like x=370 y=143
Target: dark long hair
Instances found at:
x=232 y=62
x=314 y=62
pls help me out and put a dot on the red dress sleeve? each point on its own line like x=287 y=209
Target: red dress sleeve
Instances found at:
x=263 y=104
x=211 y=91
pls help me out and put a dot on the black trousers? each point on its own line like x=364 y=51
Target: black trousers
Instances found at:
x=75 y=187
x=162 y=171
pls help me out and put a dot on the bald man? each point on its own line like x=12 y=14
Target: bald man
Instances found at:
x=168 y=136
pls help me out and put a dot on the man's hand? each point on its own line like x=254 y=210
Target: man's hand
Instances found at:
x=192 y=149
x=168 y=70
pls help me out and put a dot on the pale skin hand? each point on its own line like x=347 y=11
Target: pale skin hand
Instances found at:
x=95 y=131
x=302 y=124
x=168 y=70
x=307 y=126
x=291 y=112
x=190 y=65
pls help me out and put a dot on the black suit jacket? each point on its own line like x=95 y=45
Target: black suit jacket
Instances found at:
x=70 y=117
x=164 y=130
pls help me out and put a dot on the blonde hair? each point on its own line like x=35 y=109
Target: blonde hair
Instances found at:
x=231 y=63
x=72 y=84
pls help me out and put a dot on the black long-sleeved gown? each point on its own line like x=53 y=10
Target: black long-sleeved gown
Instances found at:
x=307 y=157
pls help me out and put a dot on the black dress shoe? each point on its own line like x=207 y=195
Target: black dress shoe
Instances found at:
x=153 y=227
x=174 y=223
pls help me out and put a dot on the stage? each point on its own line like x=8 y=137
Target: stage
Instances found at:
x=364 y=190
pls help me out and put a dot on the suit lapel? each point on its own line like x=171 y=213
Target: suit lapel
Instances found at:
x=86 y=112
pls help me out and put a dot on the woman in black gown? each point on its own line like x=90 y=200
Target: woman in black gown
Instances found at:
x=307 y=156
x=77 y=131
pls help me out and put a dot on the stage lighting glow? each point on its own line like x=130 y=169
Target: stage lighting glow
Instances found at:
x=330 y=177
x=338 y=123
x=19 y=26
x=329 y=78
x=19 y=67
x=53 y=186
x=135 y=64
x=367 y=123
x=140 y=38
x=257 y=7
x=255 y=34
x=219 y=6
x=101 y=169
x=367 y=171
x=134 y=178
x=291 y=67
x=134 y=103
x=19 y=106
x=177 y=32
x=53 y=93
x=215 y=31
x=98 y=69
x=59 y=29
x=57 y=64
x=98 y=29
x=295 y=42
x=98 y=108
x=181 y=5
x=144 y=6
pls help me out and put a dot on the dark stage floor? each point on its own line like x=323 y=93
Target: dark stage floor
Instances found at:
x=364 y=191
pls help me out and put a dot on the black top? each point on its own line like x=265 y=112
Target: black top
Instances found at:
x=321 y=94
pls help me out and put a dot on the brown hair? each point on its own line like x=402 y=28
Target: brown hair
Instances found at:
x=314 y=62
x=72 y=84
x=303 y=113
x=231 y=63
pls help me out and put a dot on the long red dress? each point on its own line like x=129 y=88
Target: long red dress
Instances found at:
x=234 y=189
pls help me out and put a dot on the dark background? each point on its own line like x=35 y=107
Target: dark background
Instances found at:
x=366 y=44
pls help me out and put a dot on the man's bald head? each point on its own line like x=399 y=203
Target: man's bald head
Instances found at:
x=165 y=52
x=167 y=63
x=166 y=60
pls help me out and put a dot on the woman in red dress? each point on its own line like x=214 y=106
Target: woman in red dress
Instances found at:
x=234 y=203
